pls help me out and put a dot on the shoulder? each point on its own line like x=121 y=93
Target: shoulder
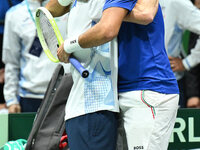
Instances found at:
x=181 y=4
x=17 y=13
x=17 y=9
x=96 y=9
x=128 y=4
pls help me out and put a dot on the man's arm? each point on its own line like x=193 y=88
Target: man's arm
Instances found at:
x=104 y=31
x=143 y=12
x=188 y=18
x=109 y=25
x=193 y=59
x=178 y=64
x=11 y=58
x=56 y=9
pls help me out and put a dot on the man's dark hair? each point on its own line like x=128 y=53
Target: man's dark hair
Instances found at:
x=192 y=1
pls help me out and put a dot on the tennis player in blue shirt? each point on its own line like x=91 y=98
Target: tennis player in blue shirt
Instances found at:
x=148 y=92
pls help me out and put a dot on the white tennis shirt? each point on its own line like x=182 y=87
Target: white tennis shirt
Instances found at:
x=98 y=91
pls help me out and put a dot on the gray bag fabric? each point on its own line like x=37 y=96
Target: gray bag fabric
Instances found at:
x=49 y=124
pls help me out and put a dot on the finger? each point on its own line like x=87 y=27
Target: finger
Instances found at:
x=175 y=68
x=175 y=61
x=58 y=50
x=172 y=66
x=60 y=57
x=172 y=62
x=18 y=109
x=171 y=58
x=10 y=111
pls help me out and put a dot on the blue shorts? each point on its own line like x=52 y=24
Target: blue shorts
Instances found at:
x=29 y=104
x=94 y=131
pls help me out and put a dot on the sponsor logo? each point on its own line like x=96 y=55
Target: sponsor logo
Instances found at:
x=73 y=42
x=138 y=147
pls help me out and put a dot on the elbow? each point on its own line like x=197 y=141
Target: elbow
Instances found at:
x=148 y=18
x=149 y=14
x=109 y=33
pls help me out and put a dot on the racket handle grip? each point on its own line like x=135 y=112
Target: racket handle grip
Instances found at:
x=84 y=72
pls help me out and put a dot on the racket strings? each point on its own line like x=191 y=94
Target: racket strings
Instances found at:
x=48 y=34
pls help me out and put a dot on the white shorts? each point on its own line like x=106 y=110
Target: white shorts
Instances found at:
x=147 y=119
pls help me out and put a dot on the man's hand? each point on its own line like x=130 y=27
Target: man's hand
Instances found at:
x=176 y=64
x=143 y=12
x=2 y=70
x=15 y=108
x=62 y=55
x=193 y=102
x=2 y=106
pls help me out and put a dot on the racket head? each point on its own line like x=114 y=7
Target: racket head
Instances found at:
x=48 y=33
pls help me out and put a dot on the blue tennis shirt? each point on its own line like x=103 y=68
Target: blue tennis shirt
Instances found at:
x=143 y=61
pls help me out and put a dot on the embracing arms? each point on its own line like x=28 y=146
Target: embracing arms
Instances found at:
x=109 y=25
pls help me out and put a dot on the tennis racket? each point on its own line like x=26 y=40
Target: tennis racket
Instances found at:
x=50 y=38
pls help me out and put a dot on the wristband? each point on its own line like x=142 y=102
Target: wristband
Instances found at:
x=71 y=45
x=11 y=102
x=186 y=64
x=65 y=2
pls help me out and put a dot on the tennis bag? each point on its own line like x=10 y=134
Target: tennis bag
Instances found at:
x=49 y=125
